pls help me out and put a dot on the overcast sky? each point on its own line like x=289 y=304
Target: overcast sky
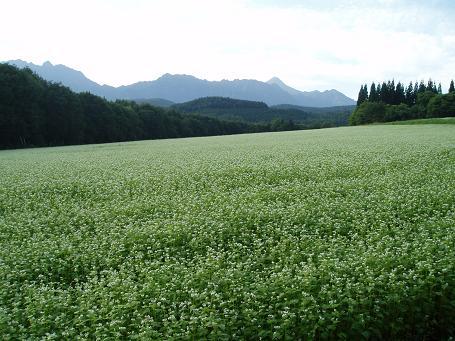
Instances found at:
x=310 y=45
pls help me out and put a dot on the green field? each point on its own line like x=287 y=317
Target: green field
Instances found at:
x=442 y=120
x=344 y=233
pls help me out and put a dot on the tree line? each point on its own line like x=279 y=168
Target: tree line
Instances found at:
x=35 y=112
x=389 y=102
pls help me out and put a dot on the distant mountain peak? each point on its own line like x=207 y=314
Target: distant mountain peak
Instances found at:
x=176 y=76
x=275 y=80
x=180 y=88
x=283 y=86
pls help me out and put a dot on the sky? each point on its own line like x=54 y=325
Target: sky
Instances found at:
x=310 y=45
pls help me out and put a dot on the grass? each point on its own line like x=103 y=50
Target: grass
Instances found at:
x=444 y=120
x=344 y=233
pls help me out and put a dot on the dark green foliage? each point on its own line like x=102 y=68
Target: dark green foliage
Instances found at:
x=397 y=103
x=374 y=96
x=397 y=113
x=363 y=94
x=368 y=112
x=399 y=95
x=452 y=87
x=441 y=106
x=410 y=95
x=422 y=88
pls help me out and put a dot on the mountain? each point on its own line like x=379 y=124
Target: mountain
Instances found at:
x=328 y=98
x=182 y=88
x=71 y=78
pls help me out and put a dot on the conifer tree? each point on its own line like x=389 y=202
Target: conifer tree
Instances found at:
x=422 y=87
x=409 y=94
x=384 y=92
x=399 y=94
x=373 y=93
x=363 y=94
x=452 y=87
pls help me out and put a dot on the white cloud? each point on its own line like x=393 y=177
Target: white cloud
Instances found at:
x=310 y=47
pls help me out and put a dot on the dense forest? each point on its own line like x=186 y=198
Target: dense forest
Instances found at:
x=258 y=112
x=388 y=102
x=35 y=112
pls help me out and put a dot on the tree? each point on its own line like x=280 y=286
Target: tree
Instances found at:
x=409 y=94
x=373 y=97
x=452 y=87
x=384 y=93
x=422 y=102
x=397 y=112
x=431 y=86
x=363 y=95
x=422 y=88
x=441 y=106
x=368 y=112
x=400 y=96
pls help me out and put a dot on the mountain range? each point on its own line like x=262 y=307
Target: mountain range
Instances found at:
x=183 y=88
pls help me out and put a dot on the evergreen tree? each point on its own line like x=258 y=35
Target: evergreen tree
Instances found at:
x=390 y=92
x=422 y=88
x=373 y=93
x=399 y=94
x=452 y=87
x=384 y=92
x=439 y=89
x=431 y=86
x=409 y=94
x=363 y=94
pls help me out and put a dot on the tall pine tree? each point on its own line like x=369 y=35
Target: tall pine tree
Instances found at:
x=399 y=94
x=422 y=87
x=409 y=94
x=384 y=92
x=373 y=93
x=452 y=87
x=363 y=94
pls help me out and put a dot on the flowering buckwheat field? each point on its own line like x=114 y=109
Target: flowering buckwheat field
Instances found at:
x=334 y=233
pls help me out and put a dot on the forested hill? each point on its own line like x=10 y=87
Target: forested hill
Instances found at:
x=259 y=112
x=35 y=112
x=317 y=110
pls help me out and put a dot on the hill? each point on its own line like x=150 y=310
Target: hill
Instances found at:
x=158 y=102
x=259 y=112
x=333 y=109
x=182 y=88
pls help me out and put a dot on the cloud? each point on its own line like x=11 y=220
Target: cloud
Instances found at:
x=308 y=44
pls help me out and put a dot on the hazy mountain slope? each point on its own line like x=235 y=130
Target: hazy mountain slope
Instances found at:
x=71 y=78
x=315 y=98
x=182 y=88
